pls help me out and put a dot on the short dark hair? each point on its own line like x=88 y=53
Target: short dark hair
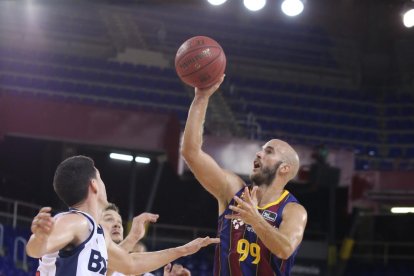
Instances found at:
x=112 y=206
x=72 y=178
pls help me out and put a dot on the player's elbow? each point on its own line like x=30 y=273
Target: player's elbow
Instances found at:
x=188 y=153
x=31 y=252
x=284 y=255
x=286 y=252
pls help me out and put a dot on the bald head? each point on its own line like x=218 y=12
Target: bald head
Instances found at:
x=288 y=154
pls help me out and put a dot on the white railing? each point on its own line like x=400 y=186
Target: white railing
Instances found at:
x=19 y=213
x=16 y=211
x=21 y=263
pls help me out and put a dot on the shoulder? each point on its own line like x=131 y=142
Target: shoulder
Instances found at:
x=72 y=218
x=75 y=222
x=294 y=209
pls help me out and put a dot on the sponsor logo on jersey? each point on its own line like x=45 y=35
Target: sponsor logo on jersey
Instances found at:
x=237 y=223
x=269 y=215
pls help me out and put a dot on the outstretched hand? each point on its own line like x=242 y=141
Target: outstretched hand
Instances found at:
x=195 y=245
x=176 y=270
x=42 y=224
x=207 y=92
x=246 y=208
x=139 y=223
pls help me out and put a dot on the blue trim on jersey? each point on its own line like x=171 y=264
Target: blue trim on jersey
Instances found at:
x=68 y=265
x=77 y=249
x=225 y=238
x=227 y=210
x=99 y=230
x=289 y=198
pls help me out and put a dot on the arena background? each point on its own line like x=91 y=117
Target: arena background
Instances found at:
x=97 y=77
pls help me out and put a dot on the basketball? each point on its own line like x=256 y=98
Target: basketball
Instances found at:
x=200 y=62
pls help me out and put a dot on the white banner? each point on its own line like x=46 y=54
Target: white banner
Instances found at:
x=237 y=155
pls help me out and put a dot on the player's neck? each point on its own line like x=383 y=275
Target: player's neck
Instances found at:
x=269 y=194
x=90 y=208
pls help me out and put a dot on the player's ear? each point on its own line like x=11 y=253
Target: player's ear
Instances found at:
x=284 y=168
x=93 y=184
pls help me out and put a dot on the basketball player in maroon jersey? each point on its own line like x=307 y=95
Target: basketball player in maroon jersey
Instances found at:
x=260 y=227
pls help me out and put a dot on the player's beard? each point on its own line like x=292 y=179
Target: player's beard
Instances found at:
x=265 y=176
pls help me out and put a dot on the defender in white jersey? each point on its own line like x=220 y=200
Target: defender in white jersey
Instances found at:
x=73 y=241
x=88 y=258
x=112 y=221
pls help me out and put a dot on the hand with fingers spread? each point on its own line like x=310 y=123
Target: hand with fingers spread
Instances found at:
x=246 y=208
x=195 y=245
x=139 y=223
x=176 y=270
x=207 y=92
x=42 y=224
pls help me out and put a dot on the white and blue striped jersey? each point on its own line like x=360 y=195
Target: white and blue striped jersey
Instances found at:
x=88 y=258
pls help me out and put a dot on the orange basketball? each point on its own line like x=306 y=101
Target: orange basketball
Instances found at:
x=200 y=61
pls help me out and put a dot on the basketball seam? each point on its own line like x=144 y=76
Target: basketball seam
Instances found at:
x=205 y=65
x=192 y=50
x=221 y=68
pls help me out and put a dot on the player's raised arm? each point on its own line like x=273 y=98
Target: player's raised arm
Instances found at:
x=139 y=263
x=220 y=183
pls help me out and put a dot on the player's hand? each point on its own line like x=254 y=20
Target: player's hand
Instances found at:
x=139 y=223
x=195 y=245
x=207 y=92
x=176 y=270
x=42 y=224
x=246 y=209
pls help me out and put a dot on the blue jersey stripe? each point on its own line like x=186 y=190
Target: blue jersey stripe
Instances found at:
x=68 y=266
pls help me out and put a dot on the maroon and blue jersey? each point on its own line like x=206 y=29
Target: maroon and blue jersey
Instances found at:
x=241 y=252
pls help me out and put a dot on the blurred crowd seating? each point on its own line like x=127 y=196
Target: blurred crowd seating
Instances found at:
x=379 y=130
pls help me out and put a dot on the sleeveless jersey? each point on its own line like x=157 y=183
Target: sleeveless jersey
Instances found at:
x=241 y=252
x=88 y=258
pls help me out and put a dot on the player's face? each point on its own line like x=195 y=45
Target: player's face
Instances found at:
x=266 y=165
x=112 y=222
x=139 y=248
x=102 y=197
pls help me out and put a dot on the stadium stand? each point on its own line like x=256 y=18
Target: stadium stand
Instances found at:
x=300 y=83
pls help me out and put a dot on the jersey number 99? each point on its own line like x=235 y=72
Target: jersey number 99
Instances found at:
x=244 y=248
